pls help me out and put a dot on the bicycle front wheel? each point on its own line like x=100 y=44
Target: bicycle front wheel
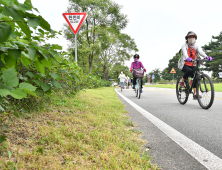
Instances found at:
x=205 y=91
x=182 y=92
x=139 y=88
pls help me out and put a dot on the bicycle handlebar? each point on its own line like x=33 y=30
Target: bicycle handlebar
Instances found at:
x=197 y=60
x=137 y=69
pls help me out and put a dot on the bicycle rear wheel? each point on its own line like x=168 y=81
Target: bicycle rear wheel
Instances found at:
x=205 y=91
x=182 y=92
x=136 y=88
x=139 y=88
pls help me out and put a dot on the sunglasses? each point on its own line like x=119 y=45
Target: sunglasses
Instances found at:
x=191 y=53
x=136 y=57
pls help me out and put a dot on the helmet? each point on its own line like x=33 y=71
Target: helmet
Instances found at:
x=190 y=33
x=136 y=56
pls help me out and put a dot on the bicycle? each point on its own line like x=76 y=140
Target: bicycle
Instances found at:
x=121 y=83
x=204 y=87
x=138 y=82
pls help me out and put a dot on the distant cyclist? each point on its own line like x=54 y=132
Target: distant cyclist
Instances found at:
x=122 y=78
x=127 y=80
x=136 y=65
x=190 y=51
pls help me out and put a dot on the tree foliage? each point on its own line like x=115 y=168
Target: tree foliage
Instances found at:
x=100 y=41
x=214 y=49
x=29 y=67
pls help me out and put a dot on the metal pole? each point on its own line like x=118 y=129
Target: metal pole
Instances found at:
x=76 y=48
x=173 y=78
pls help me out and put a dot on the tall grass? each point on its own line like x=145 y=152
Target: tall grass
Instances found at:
x=87 y=131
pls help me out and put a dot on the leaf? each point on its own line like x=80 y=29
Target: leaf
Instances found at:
x=4 y=92
x=29 y=4
x=25 y=61
x=6 y=18
x=33 y=22
x=1 y=108
x=16 y=53
x=10 y=62
x=56 y=46
x=32 y=53
x=9 y=154
x=56 y=84
x=45 y=87
x=27 y=86
x=25 y=29
x=5 y=31
x=30 y=92
x=10 y=77
x=44 y=54
x=44 y=24
x=2 y=138
x=18 y=93
x=47 y=63
x=40 y=67
x=38 y=82
x=30 y=74
x=54 y=75
x=11 y=12
x=1 y=64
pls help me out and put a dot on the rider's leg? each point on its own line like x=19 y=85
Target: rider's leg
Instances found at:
x=187 y=72
x=134 y=80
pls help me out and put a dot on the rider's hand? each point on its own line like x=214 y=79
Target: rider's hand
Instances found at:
x=209 y=58
x=144 y=69
x=131 y=70
x=189 y=59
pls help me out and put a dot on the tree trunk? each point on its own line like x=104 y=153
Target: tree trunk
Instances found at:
x=90 y=62
x=107 y=72
x=218 y=75
x=104 y=72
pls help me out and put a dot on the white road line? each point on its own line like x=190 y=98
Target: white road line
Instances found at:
x=205 y=157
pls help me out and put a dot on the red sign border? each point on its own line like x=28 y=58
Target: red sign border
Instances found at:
x=83 y=18
x=173 y=70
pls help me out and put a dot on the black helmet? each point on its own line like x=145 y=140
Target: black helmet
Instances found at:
x=136 y=55
x=190 y=33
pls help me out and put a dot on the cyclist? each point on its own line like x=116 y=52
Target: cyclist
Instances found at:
x=136 y=65
x=127 y=81
x=190 y=51
x=122 y=78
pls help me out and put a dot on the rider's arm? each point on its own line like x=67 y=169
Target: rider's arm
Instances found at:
x=184 y=51
x=201 y=52
x=141 y=64
x=131 y=66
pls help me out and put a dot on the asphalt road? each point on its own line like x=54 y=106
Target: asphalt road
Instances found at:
x=202 y=127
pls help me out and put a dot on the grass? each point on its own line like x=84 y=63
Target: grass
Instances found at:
x=217 y=86
x=86 y=131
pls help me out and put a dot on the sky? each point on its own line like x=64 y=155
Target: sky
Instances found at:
x=158 y=27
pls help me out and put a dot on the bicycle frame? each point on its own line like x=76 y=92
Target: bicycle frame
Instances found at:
x=196 y=76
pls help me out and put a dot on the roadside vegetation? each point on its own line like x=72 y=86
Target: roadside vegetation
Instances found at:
x=89 y=130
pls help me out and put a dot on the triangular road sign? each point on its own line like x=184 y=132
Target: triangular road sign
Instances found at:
x=75 y=20
x=173 y=71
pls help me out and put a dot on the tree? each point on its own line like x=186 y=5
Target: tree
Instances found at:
x=103 y=13
x=116 y=69
x=156 y=73
x=115 y=48
x=173 y=63
x=214 y=49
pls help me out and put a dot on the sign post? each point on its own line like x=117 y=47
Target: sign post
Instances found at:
x=153 y=77
x=220 y=74
x=148 y=78
x=75 y=21
x=173 y=71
